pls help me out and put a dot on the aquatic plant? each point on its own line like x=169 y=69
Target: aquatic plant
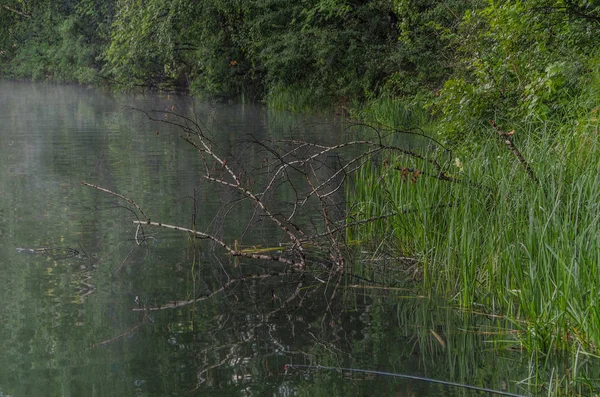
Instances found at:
x=517 y=235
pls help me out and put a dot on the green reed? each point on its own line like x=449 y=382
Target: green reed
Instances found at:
x=392 y=112
x=497 y=240
x=298 y=99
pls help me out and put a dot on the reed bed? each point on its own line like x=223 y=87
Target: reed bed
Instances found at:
x=499 y=240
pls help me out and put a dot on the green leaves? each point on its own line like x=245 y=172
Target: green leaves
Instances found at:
x=474 y=59
x=519 y=62
x=52 y=40
x=144 y=40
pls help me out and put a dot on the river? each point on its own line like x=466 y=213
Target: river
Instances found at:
x=76 y=289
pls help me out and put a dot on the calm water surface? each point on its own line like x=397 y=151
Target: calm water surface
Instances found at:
x=68 y=325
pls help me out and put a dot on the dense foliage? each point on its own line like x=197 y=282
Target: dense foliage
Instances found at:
x=465 y=61
x=514 y=230
x=333 y=50
x=527 y=63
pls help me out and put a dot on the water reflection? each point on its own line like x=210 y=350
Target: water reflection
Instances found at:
x=101 y=322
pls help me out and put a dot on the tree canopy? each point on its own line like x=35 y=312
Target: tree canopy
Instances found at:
x=471 y=59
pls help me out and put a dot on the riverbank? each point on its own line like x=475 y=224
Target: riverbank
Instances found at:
x=512 y=232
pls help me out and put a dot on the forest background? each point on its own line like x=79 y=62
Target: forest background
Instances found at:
x=463 y=62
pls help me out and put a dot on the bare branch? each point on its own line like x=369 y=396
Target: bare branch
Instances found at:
x=229 y=249
x=310 y=171
x=130 y=201
x=507 y=138
x=21 y=13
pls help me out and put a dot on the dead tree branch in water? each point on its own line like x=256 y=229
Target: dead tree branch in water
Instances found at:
x=314 y=222
x=222 y=288
x=130 y=201
x=230 y=250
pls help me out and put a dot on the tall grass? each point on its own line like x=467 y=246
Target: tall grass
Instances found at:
x=298 y=99
x=393 y=112
x=498 y=240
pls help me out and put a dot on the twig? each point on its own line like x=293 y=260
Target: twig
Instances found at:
x=121 y=335
x=421 y=378
x=178 y=304
x=373 y=219
x=442 y=176
x=507 y=138
x=336 y=256
x=130 y=201
x=23 y=14
x=228 y=248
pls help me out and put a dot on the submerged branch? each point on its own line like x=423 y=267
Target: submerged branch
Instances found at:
x=178 y=304
x=127 y=332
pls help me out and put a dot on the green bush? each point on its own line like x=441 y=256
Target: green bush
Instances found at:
x=520 y=63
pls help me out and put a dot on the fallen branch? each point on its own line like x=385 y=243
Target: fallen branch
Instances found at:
x=205 y=148
x=507 y=138
x=232 y=251
x=130 y=201
x=321 y=180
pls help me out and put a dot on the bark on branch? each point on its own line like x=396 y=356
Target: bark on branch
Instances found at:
x=232 y=251
x=21 y=13
x=507 y=139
